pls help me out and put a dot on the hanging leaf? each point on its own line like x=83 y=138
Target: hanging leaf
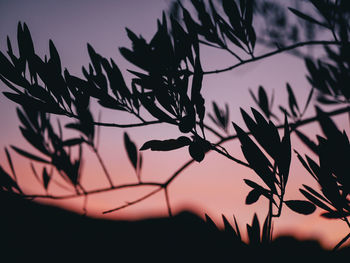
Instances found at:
x=261 y=190
x=131 y=150
x=232 y=12
x=196 y=151
x=187 y=123
x=264 y=132
x=293 y=105
x=46 y=178
x=335 y=215
x=32 y=103
x=73 y=142
x=301 y=207
x=252 y=197
x=166 y=145
x=221 y=118
x=309 y=97
x=264 y=101
x=306 y=166
x=196 y=96
x=154 y=110
x=285 y=155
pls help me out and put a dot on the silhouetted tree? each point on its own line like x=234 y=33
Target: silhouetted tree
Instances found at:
x=168 y=87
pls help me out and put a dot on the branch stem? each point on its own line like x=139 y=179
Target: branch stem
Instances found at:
x=272 y=53
x=167 y=201
x=108 y=176
x=134 y=202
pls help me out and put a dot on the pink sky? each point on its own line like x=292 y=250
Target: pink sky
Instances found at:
x=214 y=186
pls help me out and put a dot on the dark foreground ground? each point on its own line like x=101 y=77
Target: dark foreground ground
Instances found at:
x=31 y=233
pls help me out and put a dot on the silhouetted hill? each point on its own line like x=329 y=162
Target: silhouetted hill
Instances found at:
x=31 y=231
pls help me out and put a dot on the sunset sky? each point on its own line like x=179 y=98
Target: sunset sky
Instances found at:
x=215 y=186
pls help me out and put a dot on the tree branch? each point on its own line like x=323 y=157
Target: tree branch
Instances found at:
x=230 y=157
x=272 y=53
x=106 y=124
x=341 y=242
x=181 y=169
x=96 y=191
x=133 y=202
x=167 y=201
x=102 y=165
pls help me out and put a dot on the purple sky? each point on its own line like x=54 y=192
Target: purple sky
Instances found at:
x=215 y=186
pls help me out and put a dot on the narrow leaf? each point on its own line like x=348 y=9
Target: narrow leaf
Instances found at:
x=315 y=200
x=46 y=178
x=306 y=17
x=252 y=197
x=9 y=159
x=263 y=101
x=131 y=150
x=307 y=141
x=72 y=142
x=292 y=101
x=166 y=145
x=301 y=207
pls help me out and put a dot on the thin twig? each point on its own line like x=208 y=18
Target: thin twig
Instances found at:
x=96 y=191
x=234 y=54
x=345 y=238
x=224 y=48
x=108 y=176
x=341 y=242
x=272 y=53
x=212 y=130
x=231 y=157
x=167 y=201
x=107 y=124
x=85 y=204
x=117 y=125
x=208 y=44
x=134 y=202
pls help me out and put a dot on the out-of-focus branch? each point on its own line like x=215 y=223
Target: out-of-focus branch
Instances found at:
x=102 y=165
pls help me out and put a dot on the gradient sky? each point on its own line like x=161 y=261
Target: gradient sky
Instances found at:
x=214 y=186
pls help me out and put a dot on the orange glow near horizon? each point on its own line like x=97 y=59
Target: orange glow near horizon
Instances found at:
x=215 y=186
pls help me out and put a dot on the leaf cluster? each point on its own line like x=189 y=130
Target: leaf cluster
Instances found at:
x=37 y=129
x=331 y=171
